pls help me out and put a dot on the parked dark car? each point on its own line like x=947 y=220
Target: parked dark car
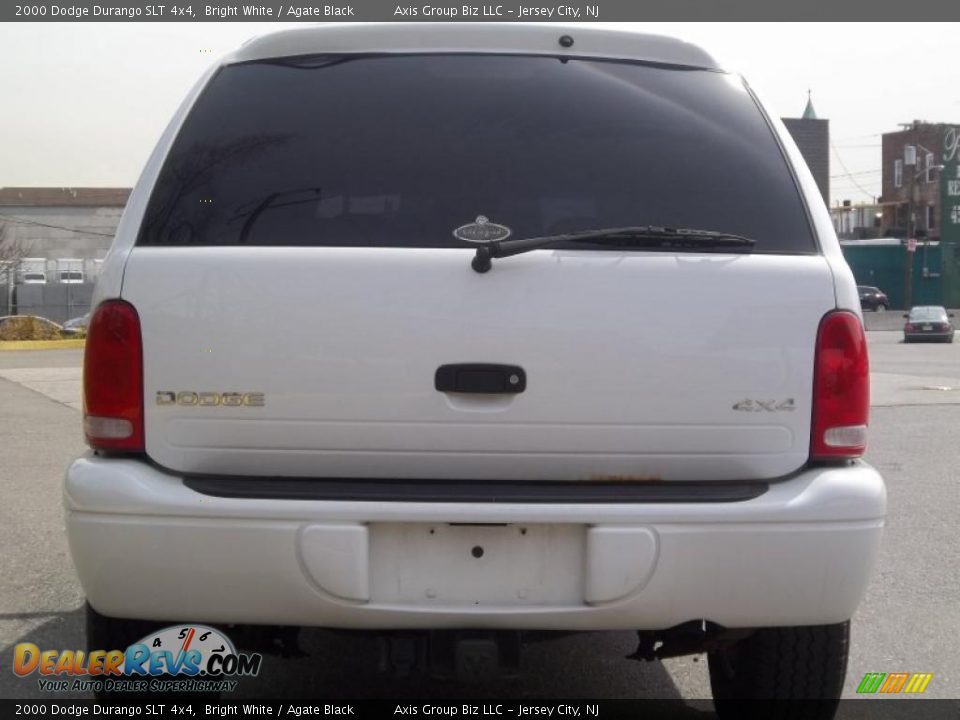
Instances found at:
x=872 y=298
x=928 y=322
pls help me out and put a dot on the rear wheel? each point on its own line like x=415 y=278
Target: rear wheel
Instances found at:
x=791 y=664
x=881 y=307
x=108 y=633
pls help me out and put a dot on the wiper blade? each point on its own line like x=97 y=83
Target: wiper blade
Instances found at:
x=633 y=236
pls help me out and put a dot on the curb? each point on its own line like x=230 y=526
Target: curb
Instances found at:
x=40 y=344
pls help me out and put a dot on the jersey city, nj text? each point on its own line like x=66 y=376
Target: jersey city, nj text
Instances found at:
x=506 y=11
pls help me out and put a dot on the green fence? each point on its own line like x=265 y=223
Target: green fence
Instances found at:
x=936 y=272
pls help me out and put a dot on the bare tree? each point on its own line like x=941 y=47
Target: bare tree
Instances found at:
x=12 y=251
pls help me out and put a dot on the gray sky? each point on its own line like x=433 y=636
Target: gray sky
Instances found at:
x=84 y=103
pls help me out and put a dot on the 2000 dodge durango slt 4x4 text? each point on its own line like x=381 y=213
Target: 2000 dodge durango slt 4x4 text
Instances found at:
x=481 y=329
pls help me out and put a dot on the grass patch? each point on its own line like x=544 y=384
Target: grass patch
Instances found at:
x=28 y=328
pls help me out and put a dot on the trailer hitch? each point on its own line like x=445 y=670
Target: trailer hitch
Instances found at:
x=689 y=638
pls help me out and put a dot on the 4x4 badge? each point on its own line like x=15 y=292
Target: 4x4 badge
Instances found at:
x=482 y=230
x=749 y=405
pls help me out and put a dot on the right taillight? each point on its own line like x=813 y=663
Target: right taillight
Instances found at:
x=841 y=389
x=113 y=379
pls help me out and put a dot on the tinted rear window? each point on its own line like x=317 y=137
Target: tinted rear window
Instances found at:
x=934 y=314
x=399 y=151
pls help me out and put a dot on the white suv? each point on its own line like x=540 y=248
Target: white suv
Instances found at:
x=481 y=328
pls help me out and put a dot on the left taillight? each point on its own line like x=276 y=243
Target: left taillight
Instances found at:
x=841 y=389
x=113 y=379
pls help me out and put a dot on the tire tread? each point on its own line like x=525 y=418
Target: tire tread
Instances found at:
x=805 y=663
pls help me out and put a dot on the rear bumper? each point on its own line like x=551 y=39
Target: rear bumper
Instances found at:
x=942 y=336
x=147 y=546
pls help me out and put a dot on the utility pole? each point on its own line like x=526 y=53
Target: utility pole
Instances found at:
x=911 y=225
x=908 y=259
x=910 y=163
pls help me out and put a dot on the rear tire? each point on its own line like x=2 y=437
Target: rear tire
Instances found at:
x=108 y=633
x=881 y=308
x=779 y=664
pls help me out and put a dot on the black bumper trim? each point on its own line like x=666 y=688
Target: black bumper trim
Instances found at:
x=480 y=491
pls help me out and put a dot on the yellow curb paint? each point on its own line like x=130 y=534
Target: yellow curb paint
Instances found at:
x=40 y=344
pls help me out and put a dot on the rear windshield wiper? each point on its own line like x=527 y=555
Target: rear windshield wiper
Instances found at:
x=650 y=236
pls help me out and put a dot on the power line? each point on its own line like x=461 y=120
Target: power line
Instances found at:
x=863 y=172
x=860 y=137
x=846 y=171
x=23 y=221
x=873 y=181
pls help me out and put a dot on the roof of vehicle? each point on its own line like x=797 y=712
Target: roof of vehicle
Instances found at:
x=526 y=38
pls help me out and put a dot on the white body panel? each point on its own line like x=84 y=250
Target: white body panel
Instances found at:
x=526 y=38
x=634 y=362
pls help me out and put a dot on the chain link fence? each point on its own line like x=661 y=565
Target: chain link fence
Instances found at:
x=55 y=301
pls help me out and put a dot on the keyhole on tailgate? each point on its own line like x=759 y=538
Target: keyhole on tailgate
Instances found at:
x=477 y=551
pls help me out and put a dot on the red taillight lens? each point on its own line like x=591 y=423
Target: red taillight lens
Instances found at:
x=113 y=379
x=841 y=388
x=908 y=327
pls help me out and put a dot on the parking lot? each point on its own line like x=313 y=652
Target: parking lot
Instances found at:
x=906 y=623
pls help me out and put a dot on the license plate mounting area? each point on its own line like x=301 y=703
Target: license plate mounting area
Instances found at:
x=477 y=565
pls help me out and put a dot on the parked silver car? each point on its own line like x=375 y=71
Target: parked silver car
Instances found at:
x=76 y=325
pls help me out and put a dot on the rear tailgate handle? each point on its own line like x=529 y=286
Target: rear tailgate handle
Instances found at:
x=482 y=378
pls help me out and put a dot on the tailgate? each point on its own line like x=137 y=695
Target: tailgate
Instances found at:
x=639 y=365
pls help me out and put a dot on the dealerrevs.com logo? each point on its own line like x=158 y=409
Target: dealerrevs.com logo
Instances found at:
x=189 y=658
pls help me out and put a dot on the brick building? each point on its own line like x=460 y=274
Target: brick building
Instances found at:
x=907 y=171
x=920 y=172
x=812 y=135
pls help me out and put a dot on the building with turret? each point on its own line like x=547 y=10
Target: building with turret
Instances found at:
x=812 y=135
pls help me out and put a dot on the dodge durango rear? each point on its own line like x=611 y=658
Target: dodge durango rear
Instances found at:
x=481 y=331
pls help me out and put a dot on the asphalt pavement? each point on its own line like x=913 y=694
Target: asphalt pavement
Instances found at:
x=905 y=624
